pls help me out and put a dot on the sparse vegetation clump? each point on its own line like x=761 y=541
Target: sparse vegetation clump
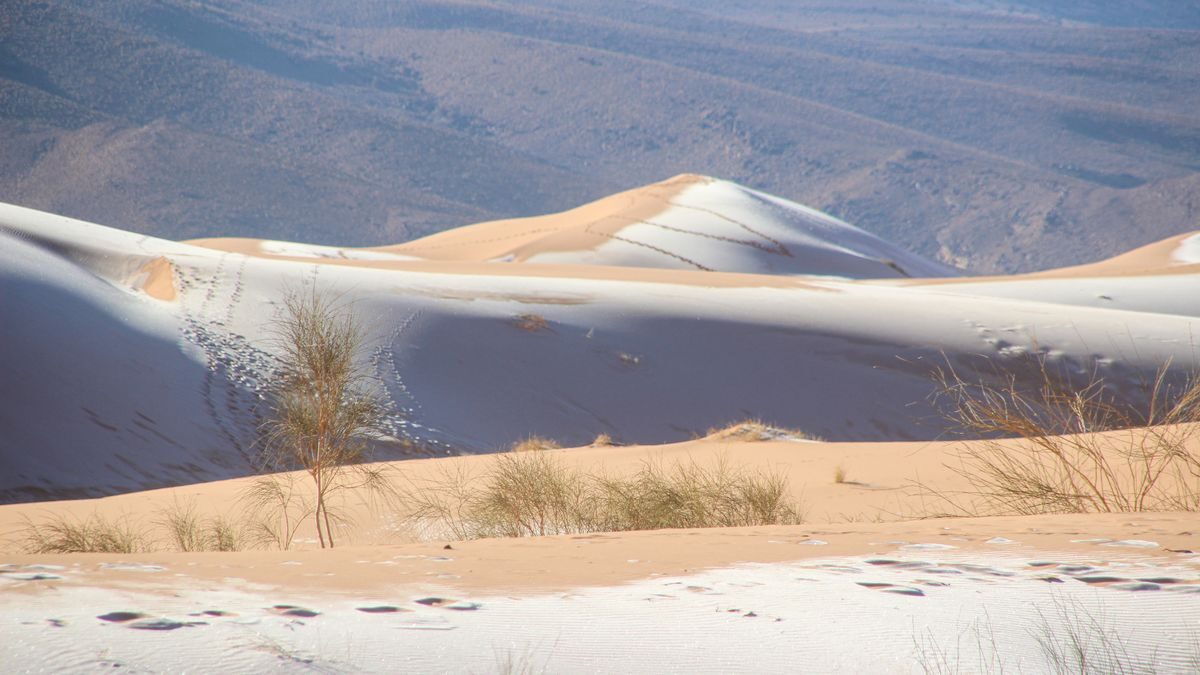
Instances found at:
x=754 y=430
x=536 y=494
x=1067 y=446
x=534 y=444
x=531 y=322
x=95 y=534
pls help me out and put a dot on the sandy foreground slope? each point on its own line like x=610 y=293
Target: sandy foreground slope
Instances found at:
x=650 y=316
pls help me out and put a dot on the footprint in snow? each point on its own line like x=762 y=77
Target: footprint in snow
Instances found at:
x=121 y=617
x=31 y=576
x=164 y=624
x=891 y=588
x=382 y=609
x=445 y=603
x=140 y=621
x=293 y=610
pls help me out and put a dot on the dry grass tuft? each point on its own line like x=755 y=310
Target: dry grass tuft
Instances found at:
x=603 y=441
x=222 y=534
x=534 y=444
x=531 y=322
x=839 y=474
x=522 y=494
x=693 y=496
x=188 y=532
x=1074 y=447
x=536 y=494
x=62 y=534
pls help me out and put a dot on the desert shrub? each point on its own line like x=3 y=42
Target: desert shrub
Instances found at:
x=603 y=441
x=692 y=495
x=531 y=322
x=534 y=444
x=531 y=494
x=95 y=534
x=522 y=494
x=1066 y=445
x=535 y=494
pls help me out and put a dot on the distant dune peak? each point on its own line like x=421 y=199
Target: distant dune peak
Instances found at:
x=1187 y=252
x=689 y=222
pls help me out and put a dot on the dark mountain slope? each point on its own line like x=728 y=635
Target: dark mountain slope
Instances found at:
x=1006 y=140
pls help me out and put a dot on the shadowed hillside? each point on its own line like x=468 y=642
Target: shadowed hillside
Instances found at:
x=1000 y=136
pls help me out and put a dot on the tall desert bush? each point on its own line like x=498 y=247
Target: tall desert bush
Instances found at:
x=324 y=410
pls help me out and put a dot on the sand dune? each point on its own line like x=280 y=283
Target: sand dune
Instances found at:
x=612 y=350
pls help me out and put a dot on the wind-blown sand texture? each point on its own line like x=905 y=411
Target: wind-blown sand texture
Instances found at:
x=131 y=364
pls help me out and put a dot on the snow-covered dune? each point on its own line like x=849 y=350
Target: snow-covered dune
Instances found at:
x=129 y=362
x=688 y=222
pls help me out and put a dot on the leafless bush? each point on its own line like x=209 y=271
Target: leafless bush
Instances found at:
x=1061 y=445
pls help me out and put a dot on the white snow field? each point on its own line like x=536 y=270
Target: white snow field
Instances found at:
x=921 y=608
